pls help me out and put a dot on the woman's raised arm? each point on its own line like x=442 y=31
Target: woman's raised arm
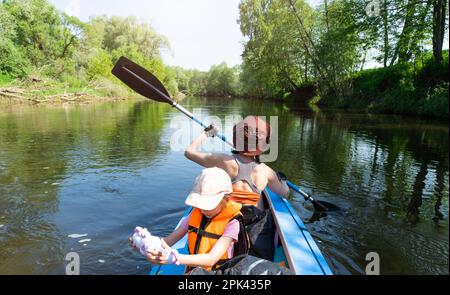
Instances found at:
x=207 y=160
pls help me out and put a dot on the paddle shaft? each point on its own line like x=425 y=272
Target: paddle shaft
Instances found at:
x=176 y=105
x=298 y=190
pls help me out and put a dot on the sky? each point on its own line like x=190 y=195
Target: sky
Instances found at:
x=201 y=33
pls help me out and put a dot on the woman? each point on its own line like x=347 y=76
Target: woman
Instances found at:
x=249 y=176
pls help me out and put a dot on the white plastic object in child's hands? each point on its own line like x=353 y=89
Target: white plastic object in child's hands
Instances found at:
x=144 y=241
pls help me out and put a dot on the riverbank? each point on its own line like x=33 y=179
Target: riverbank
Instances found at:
x=36 y=90
x=13 y=95
x=420 y=89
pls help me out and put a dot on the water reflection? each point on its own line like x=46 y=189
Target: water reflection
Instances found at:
x=42 y=150
x=388 y=173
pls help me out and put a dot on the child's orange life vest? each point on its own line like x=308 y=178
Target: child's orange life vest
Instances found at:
x=204 y=233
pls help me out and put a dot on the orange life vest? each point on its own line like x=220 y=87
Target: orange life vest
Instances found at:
x=203 y=232
x=244 y=197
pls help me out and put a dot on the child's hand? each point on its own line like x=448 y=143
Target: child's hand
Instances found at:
x=157 y=257
x=167 y=256
x=130 y=239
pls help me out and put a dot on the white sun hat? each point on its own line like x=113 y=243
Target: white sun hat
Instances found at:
x=209 y=189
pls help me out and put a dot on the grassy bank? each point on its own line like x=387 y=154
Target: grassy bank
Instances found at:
x=48 y=90
x=408 y=89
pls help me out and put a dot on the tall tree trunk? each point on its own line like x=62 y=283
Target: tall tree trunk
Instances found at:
x=306 y=70
x=333 y=67
x=363 y=62
x=385 y=32
x=405 y=36
x=439 y=7
x=418 y=32
x=306 y=38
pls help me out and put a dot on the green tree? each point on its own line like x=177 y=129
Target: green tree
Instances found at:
x=120 y=36
x=99 y=64
x=220 y=80
x=289 y=44
x=183 y=77
x=338 y=50
x=40 y=31
x=12 y=60
x=275 y=60
x=197 y=83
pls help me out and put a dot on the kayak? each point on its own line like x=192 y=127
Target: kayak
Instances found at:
x=295 y=247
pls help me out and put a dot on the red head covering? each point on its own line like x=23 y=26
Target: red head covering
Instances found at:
x=251 y=136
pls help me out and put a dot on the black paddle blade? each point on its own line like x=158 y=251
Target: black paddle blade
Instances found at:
x=324 y=206
x=140 y=80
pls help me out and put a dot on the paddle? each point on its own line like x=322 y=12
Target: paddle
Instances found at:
x=146 y=84
x=318 y=205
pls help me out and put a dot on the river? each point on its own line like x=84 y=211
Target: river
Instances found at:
x=79 y=178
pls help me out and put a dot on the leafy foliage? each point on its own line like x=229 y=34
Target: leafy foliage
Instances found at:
x=290 y=45
x=291 y=51
x=37 y=39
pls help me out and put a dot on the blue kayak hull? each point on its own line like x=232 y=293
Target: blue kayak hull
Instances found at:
x=295 y=247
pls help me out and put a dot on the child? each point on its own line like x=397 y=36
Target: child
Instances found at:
x=214 y=227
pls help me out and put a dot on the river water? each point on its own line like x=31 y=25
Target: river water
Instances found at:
x=80 y=178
